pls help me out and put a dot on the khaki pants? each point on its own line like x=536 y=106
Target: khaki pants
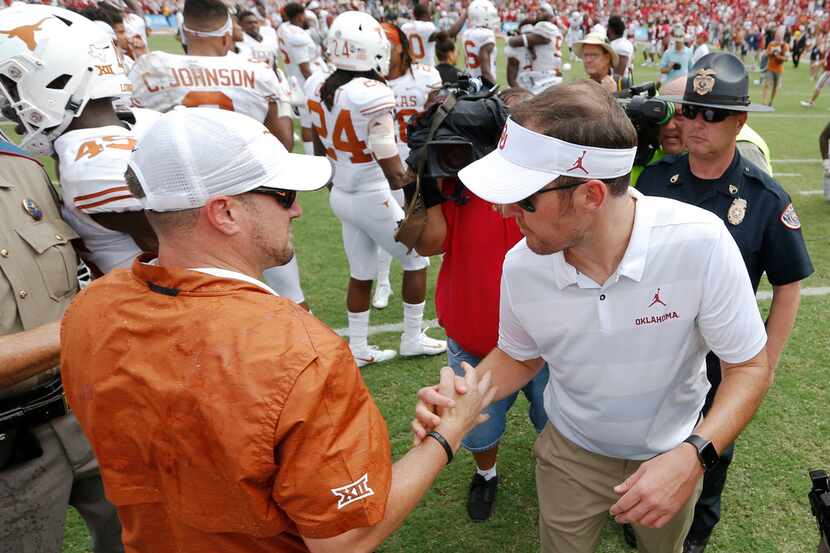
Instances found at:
x=34 y=495
x=576 y=490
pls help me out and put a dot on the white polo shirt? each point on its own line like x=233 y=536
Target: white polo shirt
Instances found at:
x=627 y=358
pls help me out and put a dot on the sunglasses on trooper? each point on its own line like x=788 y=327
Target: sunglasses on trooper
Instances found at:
x=710 y=115
x=285 y=198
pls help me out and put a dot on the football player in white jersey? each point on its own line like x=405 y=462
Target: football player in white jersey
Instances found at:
x=519 y=58
x=301 y=56
x=411 y=83
x=253 y=43
x=269 y=19
x=479 y=40
x=211 y=75
x=354 y=125
x=422 y=34
x=60 y=93
x=544 y=41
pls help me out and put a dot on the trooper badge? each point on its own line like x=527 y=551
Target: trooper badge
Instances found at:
x=737 y=211
x=704 y=81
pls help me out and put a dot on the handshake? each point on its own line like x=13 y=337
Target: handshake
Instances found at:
x=454 y=406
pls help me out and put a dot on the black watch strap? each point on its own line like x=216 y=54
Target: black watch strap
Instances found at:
x=706 y=452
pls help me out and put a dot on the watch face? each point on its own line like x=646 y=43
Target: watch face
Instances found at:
x=708 y=456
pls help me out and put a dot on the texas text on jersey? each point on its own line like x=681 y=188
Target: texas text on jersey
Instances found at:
x=411 y=91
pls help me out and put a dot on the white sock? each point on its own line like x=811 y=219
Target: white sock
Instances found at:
x=413 y=316
x=488 y=474
x=384 y=262
x=359 y=330
x=308 y=148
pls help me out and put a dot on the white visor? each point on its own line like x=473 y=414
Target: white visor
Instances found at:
x=525 y=161
x=225 y=29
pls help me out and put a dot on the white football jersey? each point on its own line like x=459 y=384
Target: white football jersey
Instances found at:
x=474 y=40
x=296 y=47
x=418 y=33
x=162 y=81
x=548 y=56
x=523 y=55
x=344 y=131
x=411 y=91
x=92 y=163
x=254 y=50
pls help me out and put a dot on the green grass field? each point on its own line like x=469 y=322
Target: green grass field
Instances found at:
x=765 y=507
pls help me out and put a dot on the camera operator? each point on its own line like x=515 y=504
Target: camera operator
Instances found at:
x=474 y=238
x=616 y=291
x=757 y=211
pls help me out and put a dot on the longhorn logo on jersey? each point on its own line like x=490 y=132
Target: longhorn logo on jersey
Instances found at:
x=26 y=33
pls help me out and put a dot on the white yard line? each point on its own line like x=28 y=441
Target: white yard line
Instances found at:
x=777 y=174
x=811 y=192
x=811 y=160
x=398 y=327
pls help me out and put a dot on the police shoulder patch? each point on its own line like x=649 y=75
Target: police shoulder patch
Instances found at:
x=790 y=218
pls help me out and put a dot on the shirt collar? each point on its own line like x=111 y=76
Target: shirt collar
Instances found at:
x=225 y=273
x=634 y=260
x=147 y=261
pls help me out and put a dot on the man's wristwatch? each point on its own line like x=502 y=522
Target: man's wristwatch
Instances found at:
x=706 y=452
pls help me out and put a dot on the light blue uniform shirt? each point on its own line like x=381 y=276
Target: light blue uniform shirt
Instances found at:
x=672 y=56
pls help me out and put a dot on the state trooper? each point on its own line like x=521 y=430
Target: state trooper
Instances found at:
x=756 y=209
x=46 y=462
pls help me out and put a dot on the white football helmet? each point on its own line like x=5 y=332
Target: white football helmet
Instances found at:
x=482 y=13
x=52 y=62
x=356 y=42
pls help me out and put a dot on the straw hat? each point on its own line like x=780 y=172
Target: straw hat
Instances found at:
x=599 y=40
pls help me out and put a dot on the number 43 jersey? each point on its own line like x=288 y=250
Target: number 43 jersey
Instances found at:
x=91 y=167
x=162 y=81
x=344 y=131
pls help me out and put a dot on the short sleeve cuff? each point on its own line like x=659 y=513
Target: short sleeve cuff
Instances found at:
x=516 y=352
x=744 y=354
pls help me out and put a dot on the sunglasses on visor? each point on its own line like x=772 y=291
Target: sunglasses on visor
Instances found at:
x=527 y=203
x=285 y=198
x=710 y=115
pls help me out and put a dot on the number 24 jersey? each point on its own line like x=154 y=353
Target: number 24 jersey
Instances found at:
x=344 y=130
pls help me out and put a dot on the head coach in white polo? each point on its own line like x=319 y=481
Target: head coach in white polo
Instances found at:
x=622 y=295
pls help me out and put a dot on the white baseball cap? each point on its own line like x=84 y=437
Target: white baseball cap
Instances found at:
x=192 y=154
x=525 y=161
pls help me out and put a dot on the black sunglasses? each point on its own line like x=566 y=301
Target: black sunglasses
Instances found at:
x=285 y=198
x=527 y=203
x=710 y=115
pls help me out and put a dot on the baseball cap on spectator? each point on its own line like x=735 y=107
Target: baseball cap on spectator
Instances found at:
x=525 y=161
x=599 y=40
x=192 y=154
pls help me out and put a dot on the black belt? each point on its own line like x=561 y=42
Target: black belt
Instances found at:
x=38 y=406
